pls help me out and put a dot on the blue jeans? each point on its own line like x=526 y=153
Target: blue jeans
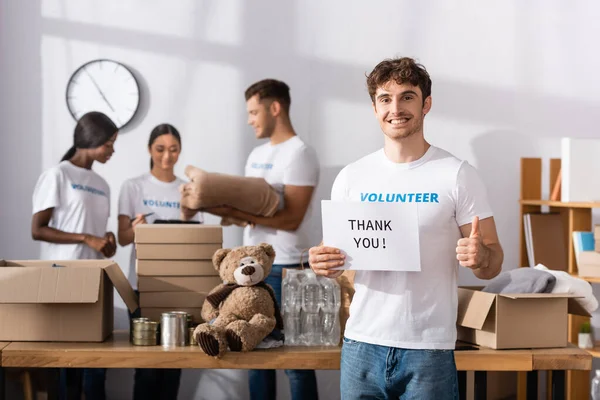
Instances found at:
x=263 y=384
x=370 y=371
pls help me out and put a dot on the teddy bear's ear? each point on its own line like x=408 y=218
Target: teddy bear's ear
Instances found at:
x=219 y=256
x=268 y=249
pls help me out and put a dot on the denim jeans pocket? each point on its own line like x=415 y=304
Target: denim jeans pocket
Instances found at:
x=345 y=340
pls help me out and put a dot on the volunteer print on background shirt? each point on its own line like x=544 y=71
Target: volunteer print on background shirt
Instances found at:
x=145 y=194
x=288 y=163
x=81 y=201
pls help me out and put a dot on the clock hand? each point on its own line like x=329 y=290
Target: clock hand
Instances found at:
x=99 y=90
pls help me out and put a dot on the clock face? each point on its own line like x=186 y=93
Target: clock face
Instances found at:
x=105 y=86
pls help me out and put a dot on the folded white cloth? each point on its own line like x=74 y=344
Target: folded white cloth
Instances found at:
x=566 y=283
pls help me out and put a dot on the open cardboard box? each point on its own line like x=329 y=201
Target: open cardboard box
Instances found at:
x=72 y=302
x=515 y=321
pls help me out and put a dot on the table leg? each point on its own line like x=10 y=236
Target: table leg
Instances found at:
x=2 y=388
x=53 y=383
x=480 y=385
x=462 y=385
x=558 y=385
x=532 y=385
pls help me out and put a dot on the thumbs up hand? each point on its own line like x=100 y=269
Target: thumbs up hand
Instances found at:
x=471 y=252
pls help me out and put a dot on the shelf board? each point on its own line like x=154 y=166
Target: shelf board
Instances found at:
x=549 y=203
x=595 y=351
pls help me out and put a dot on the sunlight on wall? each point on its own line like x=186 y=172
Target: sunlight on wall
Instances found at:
x=210 y=20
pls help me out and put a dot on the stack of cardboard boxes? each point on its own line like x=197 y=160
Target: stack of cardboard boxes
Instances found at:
x=174 y=267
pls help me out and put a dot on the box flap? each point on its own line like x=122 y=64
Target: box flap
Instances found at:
x=473 y=307
x=576 y=308
x=515 y=296
x=49 y=285
x=120 y=282
x=56 y=263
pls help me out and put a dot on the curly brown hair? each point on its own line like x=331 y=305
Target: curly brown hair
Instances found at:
x=271 y=89
x=400 y=70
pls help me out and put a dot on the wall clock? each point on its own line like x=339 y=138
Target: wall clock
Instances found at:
x=106 y=86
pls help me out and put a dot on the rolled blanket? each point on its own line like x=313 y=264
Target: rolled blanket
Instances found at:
x=522 y=280
x=209 y=189
x=565 y=283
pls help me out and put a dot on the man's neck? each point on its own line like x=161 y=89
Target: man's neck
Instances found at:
x=406 y=150
x=282 y=132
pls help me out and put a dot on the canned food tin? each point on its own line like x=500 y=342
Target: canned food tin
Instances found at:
x=145 y=326
x=173 y=329
x=144 y=342
x=191 y=338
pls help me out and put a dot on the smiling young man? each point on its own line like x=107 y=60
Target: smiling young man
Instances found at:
x=400 y=336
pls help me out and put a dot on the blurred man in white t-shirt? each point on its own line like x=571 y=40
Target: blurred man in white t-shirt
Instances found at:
x=292 y=167
x=399 y=340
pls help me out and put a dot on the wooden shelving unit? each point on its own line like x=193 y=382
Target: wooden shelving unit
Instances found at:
x=577 y=216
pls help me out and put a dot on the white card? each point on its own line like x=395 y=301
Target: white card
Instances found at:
x=373 y=236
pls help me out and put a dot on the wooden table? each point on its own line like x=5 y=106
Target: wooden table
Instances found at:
x=116 y=352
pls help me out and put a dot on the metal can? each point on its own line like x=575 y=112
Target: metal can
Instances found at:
x=191 y=338
x=144 y=342
x=144 y=331
x=173 y=329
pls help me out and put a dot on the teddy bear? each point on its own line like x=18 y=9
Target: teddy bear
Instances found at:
x=242 y=311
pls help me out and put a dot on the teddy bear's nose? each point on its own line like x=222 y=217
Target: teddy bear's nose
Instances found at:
x=248 y=270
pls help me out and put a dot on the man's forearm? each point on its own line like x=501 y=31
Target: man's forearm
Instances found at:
x=282 y=220
x=494 y=264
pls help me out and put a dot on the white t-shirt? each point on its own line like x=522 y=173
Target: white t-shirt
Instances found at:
x=145 y=194
x=289 y=163
x=414 y=310
x=81 y=201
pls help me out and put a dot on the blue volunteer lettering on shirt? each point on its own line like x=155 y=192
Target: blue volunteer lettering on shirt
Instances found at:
x=399 y=197
x=89 y=189
x=261 y=165
x=161 y=203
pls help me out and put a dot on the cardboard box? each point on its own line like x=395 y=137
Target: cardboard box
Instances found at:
x=514 y=321
x=597 y=232
x=172 y=299
x=178 y=283
x=175 y=268
x=70 y=303
x=155 y=313
x=588 y=264
x=178 y=233
x=153 y=251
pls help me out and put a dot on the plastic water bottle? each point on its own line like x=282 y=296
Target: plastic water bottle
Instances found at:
x=330 y=307
x=311 y=300
x=292 y=305
x=596 y=386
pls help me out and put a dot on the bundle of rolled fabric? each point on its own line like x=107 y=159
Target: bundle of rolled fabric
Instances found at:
x=209 y=189
x=521 y=280
x=543 y=280
x=566 y=283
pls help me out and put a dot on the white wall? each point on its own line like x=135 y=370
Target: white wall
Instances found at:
x=509 y=79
